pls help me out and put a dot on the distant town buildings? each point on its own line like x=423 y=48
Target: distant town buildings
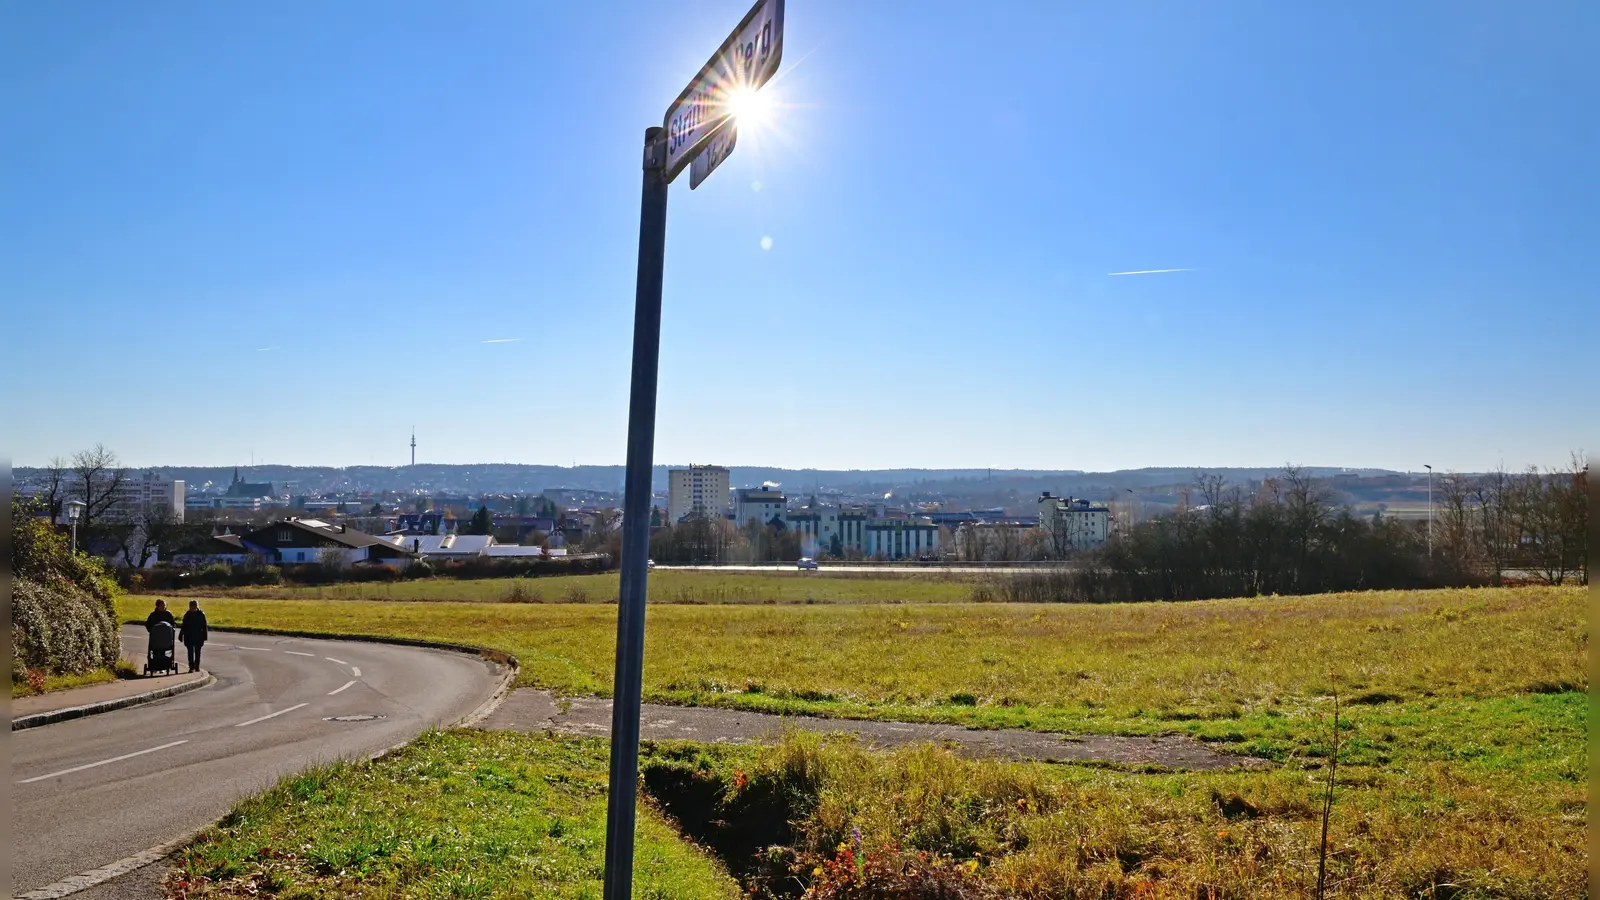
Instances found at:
x=762 y=505
x=1073 y=524
x=294 y=540
x=135 y=499
x=146 y=497
x=239 y=495
x=702 y=490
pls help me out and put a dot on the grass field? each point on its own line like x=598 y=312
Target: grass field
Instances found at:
x=666 y=586
x=1463 y=742
x=460 y=814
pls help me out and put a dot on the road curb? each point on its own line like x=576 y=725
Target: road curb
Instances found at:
x=95 y=877
x=104 y=706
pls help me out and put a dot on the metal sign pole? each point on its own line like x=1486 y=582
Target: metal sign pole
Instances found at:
x=626 y=685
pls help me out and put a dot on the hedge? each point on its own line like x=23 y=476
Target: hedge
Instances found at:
x=61 y=629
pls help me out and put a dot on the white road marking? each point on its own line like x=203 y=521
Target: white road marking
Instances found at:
x=355 y=671
x=298 y=653
x=100 y=763
x=339 y=661
x=267 y=649
x=270 y=715
x=338 y=689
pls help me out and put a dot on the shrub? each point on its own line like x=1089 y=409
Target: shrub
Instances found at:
x=214 y=575
x=60 y=629
x=520 y=592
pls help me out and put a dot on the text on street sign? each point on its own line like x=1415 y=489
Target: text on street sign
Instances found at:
x=745 y=61
x=719 y=148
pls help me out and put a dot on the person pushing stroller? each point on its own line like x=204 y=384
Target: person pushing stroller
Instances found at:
x=159 y=656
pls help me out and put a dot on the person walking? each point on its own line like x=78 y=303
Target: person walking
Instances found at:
x=193 y=633
x=160 y=614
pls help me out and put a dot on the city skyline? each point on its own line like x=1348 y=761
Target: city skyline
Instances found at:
x=1117 y=238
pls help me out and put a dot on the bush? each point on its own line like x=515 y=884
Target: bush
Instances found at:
x=264 y=574
x=61 y=629
x=214 y=575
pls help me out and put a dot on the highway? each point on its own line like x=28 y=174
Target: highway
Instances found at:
x=91 y=791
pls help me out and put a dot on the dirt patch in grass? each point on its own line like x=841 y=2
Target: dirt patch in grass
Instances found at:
x=532 y=710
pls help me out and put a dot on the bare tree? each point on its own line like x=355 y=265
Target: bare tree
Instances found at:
x=333 y=558
x=136 y=546
x=52 y=482
x=1456 y=545
x=100 y=477
x=1308 y=504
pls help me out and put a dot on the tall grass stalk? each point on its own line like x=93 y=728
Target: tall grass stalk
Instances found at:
x=1327 y=804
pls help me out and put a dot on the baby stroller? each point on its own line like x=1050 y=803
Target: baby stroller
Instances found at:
x=161 y=656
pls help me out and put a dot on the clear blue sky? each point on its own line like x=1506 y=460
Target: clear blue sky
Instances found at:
x=287 y=230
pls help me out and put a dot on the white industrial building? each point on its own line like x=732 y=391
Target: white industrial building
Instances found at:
x=1073 y=524
x=761 y=504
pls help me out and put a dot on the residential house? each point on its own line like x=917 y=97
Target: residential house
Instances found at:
x=297 y=541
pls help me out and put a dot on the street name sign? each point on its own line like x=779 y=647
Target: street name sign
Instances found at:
x=719 y=148
x=745 y=61
x=698 y=129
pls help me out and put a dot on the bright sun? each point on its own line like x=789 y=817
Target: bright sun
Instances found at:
x=749 y=106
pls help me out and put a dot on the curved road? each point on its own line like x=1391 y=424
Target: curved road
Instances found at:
x=91 y=791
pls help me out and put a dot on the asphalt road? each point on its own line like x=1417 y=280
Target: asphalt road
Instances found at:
x=92 y=791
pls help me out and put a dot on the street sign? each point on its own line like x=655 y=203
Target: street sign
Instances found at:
x=698 y=129
x=745 y=61
x=718 y=149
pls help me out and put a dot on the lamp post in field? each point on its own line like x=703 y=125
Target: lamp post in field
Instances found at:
x=1430 y=509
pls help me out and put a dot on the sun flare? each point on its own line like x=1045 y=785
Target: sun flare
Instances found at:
x=749 y=106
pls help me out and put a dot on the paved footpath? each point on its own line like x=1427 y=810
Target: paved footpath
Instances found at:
x=121 y=689
x=535 y=710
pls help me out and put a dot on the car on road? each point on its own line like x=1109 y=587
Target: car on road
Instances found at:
x=806 y=562
x=649 y=564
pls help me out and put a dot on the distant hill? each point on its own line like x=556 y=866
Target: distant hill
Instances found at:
x=503 y=478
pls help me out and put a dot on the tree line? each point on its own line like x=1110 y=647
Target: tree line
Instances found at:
x=708 y=539
x=1292 y=537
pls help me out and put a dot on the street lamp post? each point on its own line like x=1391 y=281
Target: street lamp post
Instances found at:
x=1430 y=509
x=75 y=510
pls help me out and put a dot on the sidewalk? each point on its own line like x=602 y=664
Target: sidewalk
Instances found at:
x=112 y=694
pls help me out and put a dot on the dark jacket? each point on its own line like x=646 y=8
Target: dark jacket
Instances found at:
x=160 y=615
x=193 y=630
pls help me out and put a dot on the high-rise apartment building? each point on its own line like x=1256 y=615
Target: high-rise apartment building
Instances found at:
x=697 y=489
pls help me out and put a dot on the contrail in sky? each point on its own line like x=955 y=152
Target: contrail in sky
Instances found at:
x=1150 y=271
x=503 y=341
